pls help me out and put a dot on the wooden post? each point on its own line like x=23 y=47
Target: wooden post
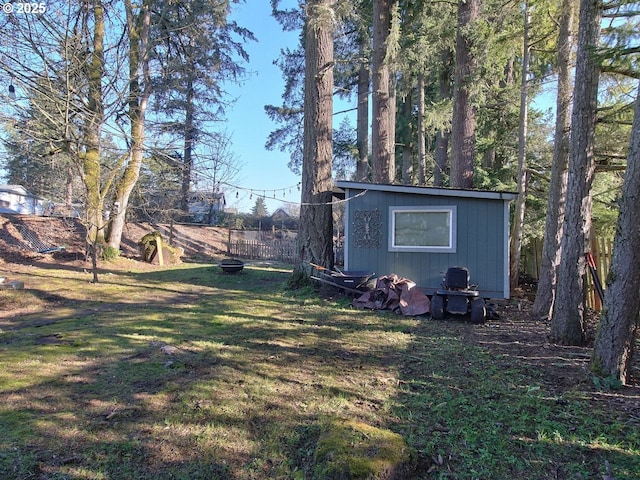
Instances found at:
x=159 y=250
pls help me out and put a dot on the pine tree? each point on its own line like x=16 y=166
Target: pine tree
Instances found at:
x=614 y=345
x=382 y=137
x=196 y=49
x=464 y=113
x=315 y=237
x=259 y=209
x=567 y=323
x=545 y=294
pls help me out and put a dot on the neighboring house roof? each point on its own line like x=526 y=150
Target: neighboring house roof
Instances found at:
x=342 y=185
x=17 y=199
x=280 y=214
x=19 y=190
x=16 y=190
x=200 y=196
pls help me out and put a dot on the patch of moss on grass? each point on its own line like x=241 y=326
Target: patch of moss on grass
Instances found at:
x=348 y=449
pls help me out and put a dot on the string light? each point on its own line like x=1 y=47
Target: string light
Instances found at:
x=264 y=192
x=267 y=193
x=12 y=90
x=279 y=194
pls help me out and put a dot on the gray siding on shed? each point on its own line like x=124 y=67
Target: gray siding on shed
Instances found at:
x=482 y=241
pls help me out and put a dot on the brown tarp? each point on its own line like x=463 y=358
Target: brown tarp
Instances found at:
x=395 y=293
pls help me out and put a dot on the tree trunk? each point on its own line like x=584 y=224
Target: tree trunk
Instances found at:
x=443 y=135
x=91 y=159
x=407 y=160
x=567 y=323
x=363 y=173
x=517 y=228
x=422 y=153
x=187 y=160
x=614 y=345
x=316 y=219
x=68 y=192
x=381 y=130
x=441 y=158
x=139 y=91
x=393 y=98
x=464 y=116
x=551 y=251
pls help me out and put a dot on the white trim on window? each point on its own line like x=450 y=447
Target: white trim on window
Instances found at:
x=442 y=241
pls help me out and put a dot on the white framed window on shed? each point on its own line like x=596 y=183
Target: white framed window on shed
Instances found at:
x=423 y=229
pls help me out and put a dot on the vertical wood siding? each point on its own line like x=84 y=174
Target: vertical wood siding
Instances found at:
x=481 y=243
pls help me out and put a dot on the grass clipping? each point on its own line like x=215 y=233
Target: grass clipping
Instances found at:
x=352 y=450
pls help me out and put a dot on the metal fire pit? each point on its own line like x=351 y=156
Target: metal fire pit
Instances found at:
x=231 y=265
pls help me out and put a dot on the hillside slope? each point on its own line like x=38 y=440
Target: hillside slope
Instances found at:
x=24 y=238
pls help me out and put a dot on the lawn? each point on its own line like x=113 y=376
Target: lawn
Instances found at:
x=187 y=373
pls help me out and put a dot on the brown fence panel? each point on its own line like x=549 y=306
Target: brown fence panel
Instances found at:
x=600 y=249
x=279 y=250
x=531 y=258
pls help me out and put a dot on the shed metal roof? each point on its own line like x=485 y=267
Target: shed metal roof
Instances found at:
x=342 y=185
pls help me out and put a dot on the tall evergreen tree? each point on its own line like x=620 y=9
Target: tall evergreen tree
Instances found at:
x=259 y=208
x=382 y=139
x=464 y=113
x=551 y=251
x=315 y=238
x=363 y=167
x=515 y=245
x=443 y=134
x=614 y=345
x=197 y=48
x=351 y=81
x=567 y=323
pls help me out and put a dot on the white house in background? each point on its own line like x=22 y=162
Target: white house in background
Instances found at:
x=206 y=207
x=15 y=199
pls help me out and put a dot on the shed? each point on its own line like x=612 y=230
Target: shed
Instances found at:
x=419 y=232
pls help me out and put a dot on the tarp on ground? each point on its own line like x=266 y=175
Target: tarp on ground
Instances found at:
x=395 y=293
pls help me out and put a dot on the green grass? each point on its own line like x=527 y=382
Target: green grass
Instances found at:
x=191 y=374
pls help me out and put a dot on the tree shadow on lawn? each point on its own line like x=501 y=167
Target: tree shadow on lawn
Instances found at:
x=499 y=401
x=212 y=274
x=136 y=414
x=229 y=380
x=193 y=386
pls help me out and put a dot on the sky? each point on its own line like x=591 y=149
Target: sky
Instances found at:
x=261 y=170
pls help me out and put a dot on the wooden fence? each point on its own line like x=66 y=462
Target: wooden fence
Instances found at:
x=279 y=250
x=600 y=249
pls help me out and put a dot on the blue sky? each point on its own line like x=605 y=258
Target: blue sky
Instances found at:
x=248 y=123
